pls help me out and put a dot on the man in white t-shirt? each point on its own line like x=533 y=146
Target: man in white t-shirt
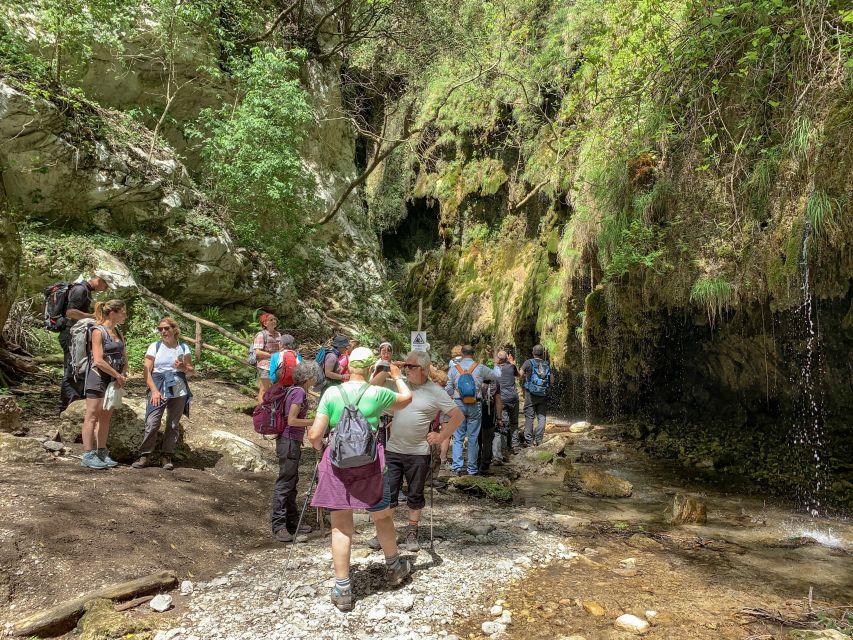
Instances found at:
x=407 y=453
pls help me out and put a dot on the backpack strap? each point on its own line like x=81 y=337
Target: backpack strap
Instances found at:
x=157 y=348
x=473 y=367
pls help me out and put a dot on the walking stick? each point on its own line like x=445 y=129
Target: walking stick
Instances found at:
x=302 y=514
x=431 y=489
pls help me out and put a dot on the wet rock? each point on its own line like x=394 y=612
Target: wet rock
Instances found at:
x=593 y=608
x=10 y=415
x=496 y=488
x=593 y=482
x=631 y=623
x=555 y=444
x=161 y=602
x=580 y=427
x=18 y=449
x=686 y=509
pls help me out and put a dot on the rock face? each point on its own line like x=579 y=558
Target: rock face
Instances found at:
x=10 y=414
x=126 y=430
x=686 y=510
x=240 y=453
x=10 y=260
x=593 y=482
x=15 y=449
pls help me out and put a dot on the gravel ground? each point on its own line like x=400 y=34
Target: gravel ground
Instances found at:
x=479 y=549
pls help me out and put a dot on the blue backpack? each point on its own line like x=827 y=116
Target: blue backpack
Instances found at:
x=320 y=359
x=466 y=385
x=539 y=382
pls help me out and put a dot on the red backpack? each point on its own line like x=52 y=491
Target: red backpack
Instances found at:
x=281 y=367
x=269 y=418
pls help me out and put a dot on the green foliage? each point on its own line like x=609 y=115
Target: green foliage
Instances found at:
x=714 y=294
x=820 y=211
x=66 y=31
x=631 y=244
x=251 y=149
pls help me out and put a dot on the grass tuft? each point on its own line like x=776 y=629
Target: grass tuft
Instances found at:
x=715 y=294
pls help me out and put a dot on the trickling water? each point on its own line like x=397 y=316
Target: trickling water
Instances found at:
x=586 y=358
x=808 y=426
x=615 y=348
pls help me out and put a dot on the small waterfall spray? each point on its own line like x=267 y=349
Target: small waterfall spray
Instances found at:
x=808 y=423
x=616 y=353
x=586 y=358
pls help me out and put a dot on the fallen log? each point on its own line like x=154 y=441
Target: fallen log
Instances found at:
x=132 y=604
x=62 y=618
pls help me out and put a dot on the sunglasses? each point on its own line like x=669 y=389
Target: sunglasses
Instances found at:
x=412 y=366
x=164 y=328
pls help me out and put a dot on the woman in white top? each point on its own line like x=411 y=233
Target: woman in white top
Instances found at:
x=167 y=363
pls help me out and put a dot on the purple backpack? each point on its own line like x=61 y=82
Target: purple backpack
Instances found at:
x=268 y=417
x=353 y=442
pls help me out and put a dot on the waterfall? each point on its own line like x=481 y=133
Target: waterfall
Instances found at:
x=808 y=421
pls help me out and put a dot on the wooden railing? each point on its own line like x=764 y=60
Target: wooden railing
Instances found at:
x=199 y=323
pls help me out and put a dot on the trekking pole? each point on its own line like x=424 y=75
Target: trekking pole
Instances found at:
x=431 y=489
x=301 y=514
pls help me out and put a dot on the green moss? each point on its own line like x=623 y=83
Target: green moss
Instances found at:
x=102 y=622
x=495 y=488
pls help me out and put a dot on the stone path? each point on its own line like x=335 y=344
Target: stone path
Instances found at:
x=479 y=548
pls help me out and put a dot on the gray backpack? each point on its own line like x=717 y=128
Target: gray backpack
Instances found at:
x=353 y=441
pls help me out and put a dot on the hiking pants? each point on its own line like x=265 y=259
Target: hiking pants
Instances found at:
x=510 y=436
x=415 y=469
x=285 y=513
x=534 y=406
x=488 y=451
x=174 y=410
x=470 y=428
x=70 y=389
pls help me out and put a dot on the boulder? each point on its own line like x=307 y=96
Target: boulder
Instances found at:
x=10 y=415
x=593 y=482
x=16 y=449
x=240 y=453
x=497 y=488
x=127 y=428
x=555 y=444
x=580 y=427
x=686 y=510
x=10 y=261
x=632 y=624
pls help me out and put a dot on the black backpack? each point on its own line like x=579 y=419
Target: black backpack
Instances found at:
x=55 y=305
x=353 y=442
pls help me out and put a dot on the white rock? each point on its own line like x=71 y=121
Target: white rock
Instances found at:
x=506 y=617
x=496 y=610
x=490 y=627
x=628 y=622
x=186 y=587
x=404 y=602
x=161 y=602
x=651 y=615
x=377 y=613
x=579 y=427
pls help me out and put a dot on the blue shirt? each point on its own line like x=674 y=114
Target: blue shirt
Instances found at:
x=480 y=373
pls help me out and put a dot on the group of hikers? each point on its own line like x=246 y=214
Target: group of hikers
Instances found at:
x=379 y=422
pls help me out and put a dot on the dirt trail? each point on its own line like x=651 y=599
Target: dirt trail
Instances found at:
x=65 y=530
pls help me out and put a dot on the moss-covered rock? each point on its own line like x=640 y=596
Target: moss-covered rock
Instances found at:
x=499 y=489
x=594 y=482
x=17 y=449
x=102 y=622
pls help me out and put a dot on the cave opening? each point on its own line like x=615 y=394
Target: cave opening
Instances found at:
x=417 y=231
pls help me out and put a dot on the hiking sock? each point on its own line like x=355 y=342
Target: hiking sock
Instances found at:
x=392 y=562
x=342 y=585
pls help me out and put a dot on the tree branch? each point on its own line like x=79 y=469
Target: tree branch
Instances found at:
x=281 y=16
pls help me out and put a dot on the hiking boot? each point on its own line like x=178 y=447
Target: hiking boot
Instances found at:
x=373 y=543
x=411 y=542
x=166 y=461
x=460 y=473
x=91 y=460
x=104 y=456
x=342 y=599
x=396 y=576
x=283 y=535
x=143 y=462
x=305 y=528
